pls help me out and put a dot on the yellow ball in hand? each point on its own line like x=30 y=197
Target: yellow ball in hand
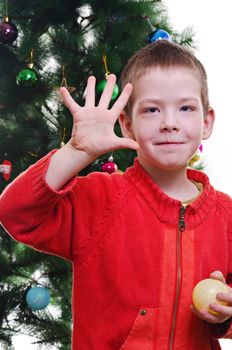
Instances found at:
x=205 y=293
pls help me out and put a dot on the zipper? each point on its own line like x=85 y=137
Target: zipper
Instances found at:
x=181 y=228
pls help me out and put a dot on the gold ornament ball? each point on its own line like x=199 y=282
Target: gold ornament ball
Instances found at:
x=205 y=293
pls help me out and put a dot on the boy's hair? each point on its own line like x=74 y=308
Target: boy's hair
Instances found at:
x=164 y=54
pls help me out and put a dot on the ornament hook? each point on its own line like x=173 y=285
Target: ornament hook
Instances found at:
x=107 y=72
x=62 y=137
x=31 y=59
x=6 y=17
x=64 y=83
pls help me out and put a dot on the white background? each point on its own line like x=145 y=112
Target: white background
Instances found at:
x=211 y=21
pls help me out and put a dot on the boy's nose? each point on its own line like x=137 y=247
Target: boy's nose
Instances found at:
x=169 y=124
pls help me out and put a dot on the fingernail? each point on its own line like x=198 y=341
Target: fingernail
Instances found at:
x=215 y=274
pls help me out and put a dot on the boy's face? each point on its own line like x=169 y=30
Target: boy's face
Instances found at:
x=167 y=118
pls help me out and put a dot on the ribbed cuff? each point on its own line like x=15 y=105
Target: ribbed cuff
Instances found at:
x=40 y=187
x=222 y=330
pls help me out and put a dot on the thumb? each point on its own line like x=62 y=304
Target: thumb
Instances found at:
x=218 y=275
x=128 y=143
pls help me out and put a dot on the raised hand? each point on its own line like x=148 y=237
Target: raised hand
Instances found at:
x=93 y=126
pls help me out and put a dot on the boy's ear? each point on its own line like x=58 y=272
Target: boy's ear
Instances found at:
x=126 y=126
x=208 y=124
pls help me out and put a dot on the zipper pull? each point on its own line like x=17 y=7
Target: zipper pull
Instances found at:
x=181 y=224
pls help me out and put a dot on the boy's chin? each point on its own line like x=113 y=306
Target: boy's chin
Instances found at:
x=164 y=166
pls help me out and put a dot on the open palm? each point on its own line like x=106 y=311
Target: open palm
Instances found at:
x=93 y=126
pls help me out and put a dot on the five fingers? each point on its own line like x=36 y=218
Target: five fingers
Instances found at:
x=105 y=97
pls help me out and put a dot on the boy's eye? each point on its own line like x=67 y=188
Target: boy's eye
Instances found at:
x=187 y=108
x=151 y=109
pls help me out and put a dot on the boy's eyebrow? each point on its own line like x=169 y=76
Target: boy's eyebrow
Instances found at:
x=159 y=101
x=189 y=98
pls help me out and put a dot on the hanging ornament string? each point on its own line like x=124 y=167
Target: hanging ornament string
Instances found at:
x=6 y=11
x=64 y=83
x=101 y=85
x=107 y=72
x=31 y=59
x=62 y=137
x=33 y=154
x=64 y=80
x=149 y=22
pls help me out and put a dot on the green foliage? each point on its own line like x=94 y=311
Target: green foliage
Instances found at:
x=22 y=268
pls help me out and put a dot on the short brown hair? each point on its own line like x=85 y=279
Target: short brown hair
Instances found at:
x=164 y=54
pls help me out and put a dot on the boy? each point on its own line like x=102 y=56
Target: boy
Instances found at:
x=139 y=242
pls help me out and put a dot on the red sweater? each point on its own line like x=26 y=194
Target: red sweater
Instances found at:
x=134 y=266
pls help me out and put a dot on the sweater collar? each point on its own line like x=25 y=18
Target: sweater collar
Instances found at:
x=166 y=208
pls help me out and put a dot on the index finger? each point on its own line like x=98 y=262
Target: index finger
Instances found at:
x=205 y=315
x=123 y=99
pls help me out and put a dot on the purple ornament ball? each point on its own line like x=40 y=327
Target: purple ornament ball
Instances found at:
x=8 y=32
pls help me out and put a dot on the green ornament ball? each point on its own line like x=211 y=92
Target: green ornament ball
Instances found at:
x=27 y=77
x=101 y=86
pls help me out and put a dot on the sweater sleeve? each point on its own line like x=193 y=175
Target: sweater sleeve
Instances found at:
x=66 y=223
x=30 y=213
x=224 y=330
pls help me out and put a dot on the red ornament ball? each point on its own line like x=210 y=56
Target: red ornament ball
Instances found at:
x=8 y=32
x=109 y=167
x=6 y=169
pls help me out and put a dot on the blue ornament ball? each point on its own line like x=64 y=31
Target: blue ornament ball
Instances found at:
x=159 y=34
x=38 y=298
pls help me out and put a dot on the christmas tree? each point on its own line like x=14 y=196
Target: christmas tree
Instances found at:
x=45 y=45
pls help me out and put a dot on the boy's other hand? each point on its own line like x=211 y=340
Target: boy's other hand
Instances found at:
x=93 y=126
x=223 y=312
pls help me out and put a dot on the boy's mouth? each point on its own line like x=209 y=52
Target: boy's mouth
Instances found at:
x=169 y=143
